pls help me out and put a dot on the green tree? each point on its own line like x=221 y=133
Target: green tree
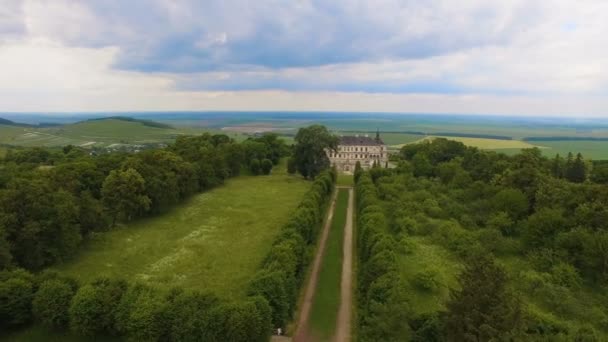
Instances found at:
x=52 y=302
x=422 y=166
x=577 y=171
x=312 y=142
x=16 y=294
x=484 y=309
x=255 y=167
x=266 y=166
x=557 y=166
x=94 y=306
x=123 y=194
x=600 y=174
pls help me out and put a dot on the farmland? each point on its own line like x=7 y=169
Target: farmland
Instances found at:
x=214 y=242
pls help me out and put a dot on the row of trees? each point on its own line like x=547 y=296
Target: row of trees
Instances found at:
x=110 y=307
x=51 y=200
x=282 y=273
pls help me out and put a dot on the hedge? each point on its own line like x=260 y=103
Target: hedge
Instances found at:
x=282 y=272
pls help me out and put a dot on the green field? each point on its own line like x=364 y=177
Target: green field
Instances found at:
x=99 y=133
x=215 y=241
x=326 y=302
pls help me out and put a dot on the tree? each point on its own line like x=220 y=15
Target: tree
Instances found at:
x=310 y=150
x=577 y=171
x=422 y=166
x=15 y=300
x=93 y=308
x=600 y=174
x=557 y=166
x=255 y=167
x=266 y=166
x=484 y=309
x=52 y=302
x=123 y=193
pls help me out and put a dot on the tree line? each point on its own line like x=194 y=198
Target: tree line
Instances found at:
x=485 y=208
x=50 y=200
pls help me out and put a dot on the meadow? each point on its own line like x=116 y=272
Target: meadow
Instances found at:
x=326 y=301
x=213 y=242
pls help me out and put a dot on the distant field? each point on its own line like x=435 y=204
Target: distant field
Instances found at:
x=215 y=241
x=482 y=143
x=596 y=150
x=102 y=133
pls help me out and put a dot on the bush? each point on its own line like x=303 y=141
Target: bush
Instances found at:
x=52 y=303
x=427 y=280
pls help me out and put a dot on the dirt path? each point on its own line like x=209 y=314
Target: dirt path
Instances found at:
x=301 y=334
x=343 y=327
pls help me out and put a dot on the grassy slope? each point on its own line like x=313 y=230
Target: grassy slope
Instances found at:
x=327 y=297
x=428 y=256
x=215 y=241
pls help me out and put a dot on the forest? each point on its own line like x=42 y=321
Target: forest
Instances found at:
x=469 y=245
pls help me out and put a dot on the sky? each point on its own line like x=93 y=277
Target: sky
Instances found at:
x=528 y=57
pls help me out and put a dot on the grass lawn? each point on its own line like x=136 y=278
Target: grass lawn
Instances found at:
x=345 y=180
x=326 y=301
x=215 y=241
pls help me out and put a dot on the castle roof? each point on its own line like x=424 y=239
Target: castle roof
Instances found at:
x=350 y=140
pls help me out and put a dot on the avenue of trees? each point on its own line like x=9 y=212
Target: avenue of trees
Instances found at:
x=530 y=232
x=50 y=200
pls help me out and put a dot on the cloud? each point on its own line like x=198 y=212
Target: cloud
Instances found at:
x=119 y=54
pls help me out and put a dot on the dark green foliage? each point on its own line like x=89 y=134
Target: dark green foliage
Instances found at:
x=255 y=167
x=310 y=150
x=16 y=294
x=576 y=171
x=266 y=166
x=124 y=194
x=291 y=166
x=484 y=309
x=94 y=306
x=52 y=302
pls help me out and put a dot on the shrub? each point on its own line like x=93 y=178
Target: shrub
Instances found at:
x=52 y=303
x=427 y=280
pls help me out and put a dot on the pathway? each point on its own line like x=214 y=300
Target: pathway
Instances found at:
x=301 y=334
x=343 y=325
x=344 y=315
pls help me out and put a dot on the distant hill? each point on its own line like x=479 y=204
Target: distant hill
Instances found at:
x=148 y=123
x=7 y=122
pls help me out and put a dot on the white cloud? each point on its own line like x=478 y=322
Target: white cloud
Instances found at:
x=510 y=57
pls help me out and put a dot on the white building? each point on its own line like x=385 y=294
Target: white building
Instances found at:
x=362 y=149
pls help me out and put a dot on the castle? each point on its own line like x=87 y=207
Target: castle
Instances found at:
x=363 y=149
